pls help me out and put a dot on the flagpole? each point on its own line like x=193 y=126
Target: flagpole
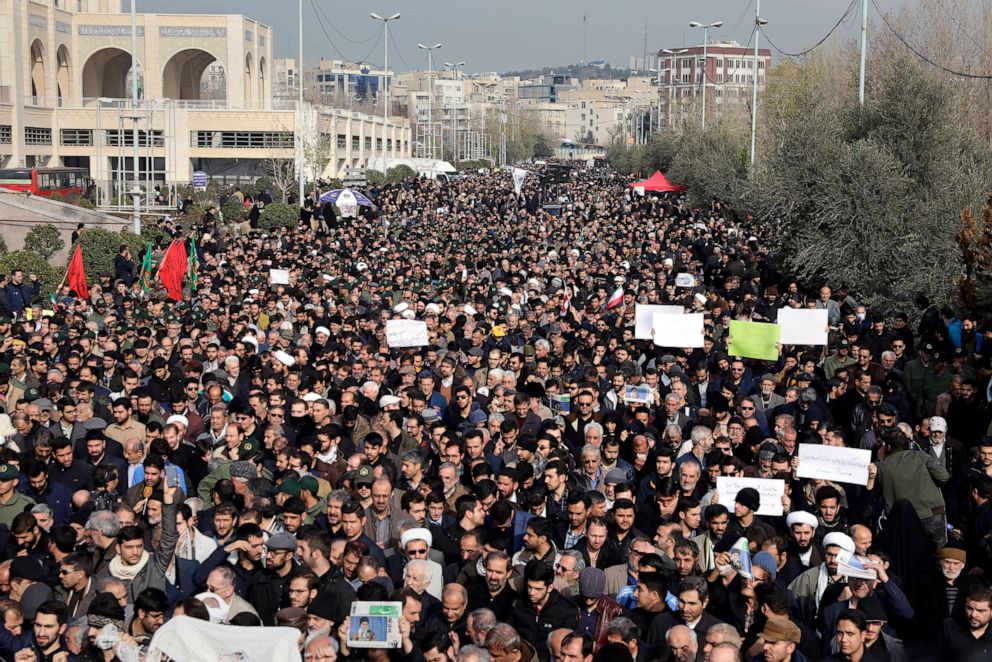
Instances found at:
x=65 y=276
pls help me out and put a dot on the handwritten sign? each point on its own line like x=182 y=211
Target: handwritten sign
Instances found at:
x=802 y=326
x=406 y=333
x=836 y=463
x=770 y=489
x=644 y=318
x=678 y=330
x=754 y=340
x=279 y=276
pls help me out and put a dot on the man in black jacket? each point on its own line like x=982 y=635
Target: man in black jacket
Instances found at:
x=970 y=637
x=543 y=609
x=268 y=586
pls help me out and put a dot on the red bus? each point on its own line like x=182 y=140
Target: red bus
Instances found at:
x=45 y=181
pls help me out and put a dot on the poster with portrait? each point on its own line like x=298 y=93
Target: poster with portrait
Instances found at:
x=375 y=625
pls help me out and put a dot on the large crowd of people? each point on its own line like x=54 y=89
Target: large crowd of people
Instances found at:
x=257 y=456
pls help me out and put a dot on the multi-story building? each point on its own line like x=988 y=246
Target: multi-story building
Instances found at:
x=65 y=98
x=350 y=80
x=729 y=72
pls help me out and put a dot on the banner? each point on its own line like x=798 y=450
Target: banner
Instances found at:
x=836 y=463
x=406 y=333
x=678 y=330
x=803 y=326
x=519 y=174
x=644 y=318
x=638 y=395
x=770 y=489
x=753 y=340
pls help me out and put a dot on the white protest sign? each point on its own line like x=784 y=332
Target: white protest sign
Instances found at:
x=638 y=395
x=802 y=326
x=836 y=463
x=279 y=276
x=770 y=489
x=678 y=330
x=644 y=318
x=406 y=333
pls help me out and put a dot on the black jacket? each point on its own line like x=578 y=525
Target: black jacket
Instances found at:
x=266 y=594
x=534 y=626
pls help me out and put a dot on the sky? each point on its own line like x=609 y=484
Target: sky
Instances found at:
x=510 y=35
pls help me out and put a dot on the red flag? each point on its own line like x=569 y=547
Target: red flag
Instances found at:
x=615 y=299
x=77 y=275
x=173 y=269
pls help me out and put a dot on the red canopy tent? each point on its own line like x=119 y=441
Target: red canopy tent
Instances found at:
x=657 y=183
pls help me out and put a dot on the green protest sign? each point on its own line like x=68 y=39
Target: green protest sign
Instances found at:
x=754 y=340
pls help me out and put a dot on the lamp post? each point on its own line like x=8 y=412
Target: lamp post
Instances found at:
x=758 y=22
x=430 y=93
x=454 y=110
x=135 y=191
x=385 y=79
x=671 y=80
x=299 y=112
x=706 y=32
x=864 y=50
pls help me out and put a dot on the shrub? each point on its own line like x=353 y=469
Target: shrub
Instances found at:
x=45 y=240
x=32 y=263
x=279 y=215
x=400 y=172
x=375 y=177
x=233 y=211
x=100 y=246
x=3 y=245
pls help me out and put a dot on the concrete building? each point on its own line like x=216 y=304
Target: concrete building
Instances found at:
x=205 y=103
x=729 y=71
x=344 y=80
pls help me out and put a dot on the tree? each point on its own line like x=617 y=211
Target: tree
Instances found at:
x=44 y=240
x=542 y=149
x=868 y=197
x=281 y=173
x=400 y=172
x=975 y=243
x=279 y=215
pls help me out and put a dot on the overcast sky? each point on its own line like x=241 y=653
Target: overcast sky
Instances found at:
x=502 y=35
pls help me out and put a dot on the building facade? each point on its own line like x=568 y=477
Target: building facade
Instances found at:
x=205 y=98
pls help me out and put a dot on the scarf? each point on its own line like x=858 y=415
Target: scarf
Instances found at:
x=128 y=572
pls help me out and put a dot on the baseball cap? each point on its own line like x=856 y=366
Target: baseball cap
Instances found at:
x=9 y=472
x=364 y=475
x=248 y=449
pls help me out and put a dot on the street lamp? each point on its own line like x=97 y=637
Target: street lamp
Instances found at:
x=706 y=31
x=430 y=94
x=671 y=78
x=758 y=22
x=385 y=79
x=454 y=110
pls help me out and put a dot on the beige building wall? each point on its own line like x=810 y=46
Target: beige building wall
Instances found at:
x=65 y=93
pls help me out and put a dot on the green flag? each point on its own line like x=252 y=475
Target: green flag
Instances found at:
x=146 y=269
x=194 y=277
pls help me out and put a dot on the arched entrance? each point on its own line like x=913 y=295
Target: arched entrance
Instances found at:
x=248 y=79
x=107 y=73
x=262 y=76
x=182 y=77
x=63 y=77
x=39 y=84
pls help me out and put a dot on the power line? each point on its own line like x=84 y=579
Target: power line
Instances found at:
x=740 y=19
x=817 y=44
x=341 y=34
x=399 y=54
x=330 y=41
x=917 y=53
x=967 y=34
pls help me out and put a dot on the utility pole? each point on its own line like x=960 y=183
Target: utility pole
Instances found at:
x=385 y=80
x=706 y=31
x=864 y=51
x=430 y=95
x=758 y=22
x=135 y=190
x=299 y=111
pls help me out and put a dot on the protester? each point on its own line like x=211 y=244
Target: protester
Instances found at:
x=464 y=415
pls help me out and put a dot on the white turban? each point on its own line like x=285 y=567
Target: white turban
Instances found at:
x=178 y=418
x=416 y=534
x=285 y=359
x=802 y=517
x=322 y=329
x=839 y=539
